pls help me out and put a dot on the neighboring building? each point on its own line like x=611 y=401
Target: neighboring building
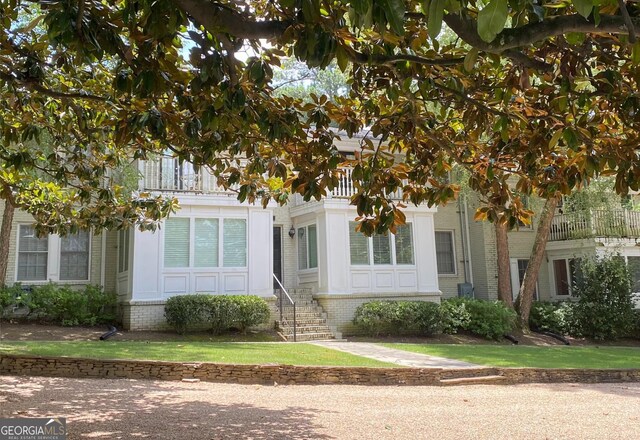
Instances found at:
x=216 y=245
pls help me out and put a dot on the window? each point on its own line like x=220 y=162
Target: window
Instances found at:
x=234 y=243
x=381 y=249
x=176 y=242
x=32 y=255
x=445 y=255
x=518 y=269
x=307 y=247
x=123 y=251
x=206 y=242
x=74 y=256
x=565 y=272
x=205 y=238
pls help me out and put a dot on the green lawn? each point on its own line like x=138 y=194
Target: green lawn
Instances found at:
x=229 y=353
x=527 y=356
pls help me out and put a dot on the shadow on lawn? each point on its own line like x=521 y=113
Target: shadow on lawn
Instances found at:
x=144 y=409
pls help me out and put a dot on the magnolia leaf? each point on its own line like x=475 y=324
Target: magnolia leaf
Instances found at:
x=434 y=19
x=492 y=19
x=635 y=53
x=470 y=59
x=584 y=7
x=394 y=12
x=342 y=58
x=555 y=138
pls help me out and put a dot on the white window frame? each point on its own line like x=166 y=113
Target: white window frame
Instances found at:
x=220 y=266
x=305 y=226
x=552 y=271
x=454 y=257
x=123 y=254
x=392 y=250
x=54 y=250
x=515 y=278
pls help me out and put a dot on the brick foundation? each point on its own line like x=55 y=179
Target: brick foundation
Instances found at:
x=288 y=374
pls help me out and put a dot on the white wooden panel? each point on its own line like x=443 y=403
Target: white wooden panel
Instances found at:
x=360 y=280
x=145 y=265
x=260 y=258
x=407 y=280
x=235 y=283
x=384 y=280
x=205 y=283
x=176 y=284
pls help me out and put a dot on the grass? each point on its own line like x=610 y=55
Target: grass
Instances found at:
x=230 y=353
x=527 y=356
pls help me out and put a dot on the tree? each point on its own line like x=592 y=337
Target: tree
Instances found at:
x=546 y=95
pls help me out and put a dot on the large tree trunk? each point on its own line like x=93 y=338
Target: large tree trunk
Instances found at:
x=5 y=237
x=504 y=268
x=528 y=288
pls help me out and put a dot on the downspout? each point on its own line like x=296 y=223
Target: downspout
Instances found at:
x=464 y=239
x=466 y=227
x=103 y=257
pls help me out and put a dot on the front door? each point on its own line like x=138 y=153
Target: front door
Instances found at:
x=277 y=255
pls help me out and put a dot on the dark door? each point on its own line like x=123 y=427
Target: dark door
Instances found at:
x=277 y=255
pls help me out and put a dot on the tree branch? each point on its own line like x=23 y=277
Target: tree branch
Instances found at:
x=627 y=21
x=32 y=85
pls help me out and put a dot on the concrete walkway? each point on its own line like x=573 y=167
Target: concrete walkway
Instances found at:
x=400 y=357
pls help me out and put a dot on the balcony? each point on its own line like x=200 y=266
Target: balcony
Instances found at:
x=172 y=175
x=595 y=224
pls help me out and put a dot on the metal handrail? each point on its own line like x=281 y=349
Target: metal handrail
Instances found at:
x=280 y=306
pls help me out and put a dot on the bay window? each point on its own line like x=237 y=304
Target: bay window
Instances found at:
x=307 y=247
x=390 y=249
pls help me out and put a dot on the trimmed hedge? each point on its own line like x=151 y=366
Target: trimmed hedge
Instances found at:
x=62 y=304
x=398 y=317
x=488 y=319
x=217 y=312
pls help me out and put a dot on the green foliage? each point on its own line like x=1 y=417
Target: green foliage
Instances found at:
x=219 y=313
x=10 y=296
x=492 y=18
x=555 y=317
x=398 y=318
x=68 y=306
x=605 y=308
x=489 y=319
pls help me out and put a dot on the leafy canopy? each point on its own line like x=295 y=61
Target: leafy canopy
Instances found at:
x=543 y=92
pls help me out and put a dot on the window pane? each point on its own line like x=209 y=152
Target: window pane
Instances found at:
x=206 y=242
x=74 y=256
x=32 y=255
x=561 y=277
x=123 y=251
x=313 y=246
x=235 y=243
x=358 y=245
x=444 y=253
x=404 y=244
x=381 y=249
x=176 y=242
x=302 y=248
x=634 y=271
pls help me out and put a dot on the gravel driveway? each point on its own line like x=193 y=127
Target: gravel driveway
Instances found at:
x=130 y=409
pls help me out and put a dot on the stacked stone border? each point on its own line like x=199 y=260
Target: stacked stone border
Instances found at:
x=288 y=374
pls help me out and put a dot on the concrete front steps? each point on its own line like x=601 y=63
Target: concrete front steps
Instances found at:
x=311 y=320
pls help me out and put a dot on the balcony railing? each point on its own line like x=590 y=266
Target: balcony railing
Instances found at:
x=594 y=224
x=171 y=174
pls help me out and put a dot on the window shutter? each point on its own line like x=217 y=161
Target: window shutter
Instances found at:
x=313 y=246
x=404 y=244
x=358 y=246
x=176 y=242
x=74 y=256
x=302 y=248
x=235 y=243
x=381 y=249
x=206 y=242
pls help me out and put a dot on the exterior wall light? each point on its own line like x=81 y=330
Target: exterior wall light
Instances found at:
x=292 y=232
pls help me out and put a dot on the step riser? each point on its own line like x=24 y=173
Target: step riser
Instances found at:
x=304 y=322
x=311 y=337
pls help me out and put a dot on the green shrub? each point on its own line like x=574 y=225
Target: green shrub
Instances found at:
x=67 y=306
x=489 y=319
x=604 y=309
x=398 y=317
x=556 y=317
x=250 y=310
x=217 y=312
x=456 y=316
x=9 y=296
x=184 y=312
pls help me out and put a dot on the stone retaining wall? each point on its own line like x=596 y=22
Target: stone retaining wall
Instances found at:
x=288 y=374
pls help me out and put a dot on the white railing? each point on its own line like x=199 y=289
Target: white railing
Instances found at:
x=171 y=174
x=591 y=224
